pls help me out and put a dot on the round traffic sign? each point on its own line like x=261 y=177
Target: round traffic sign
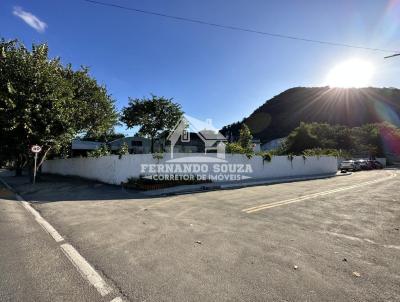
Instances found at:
x=36 y=149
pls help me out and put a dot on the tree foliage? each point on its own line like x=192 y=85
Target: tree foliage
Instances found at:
x=245 y=138
x=103 y=150
x=301 y=138
x=234 y=148
x=244 y=143
x=369 y=140
x=153 y=115
x=328 y=152
x=351 y=107
x=43 y=102
x=107 y=136
x=123 y=150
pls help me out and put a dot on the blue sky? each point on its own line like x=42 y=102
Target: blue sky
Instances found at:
x=218 y=74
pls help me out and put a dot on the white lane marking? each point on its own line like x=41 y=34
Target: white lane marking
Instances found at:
x=80 y=263
x=117 y=299
x=86 y=270
x=302 y=198
x=389 y=246
x=43 y=223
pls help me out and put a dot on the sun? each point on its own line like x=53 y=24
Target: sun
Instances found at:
x=352 y=73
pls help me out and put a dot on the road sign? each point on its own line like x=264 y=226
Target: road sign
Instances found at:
x=36 y=149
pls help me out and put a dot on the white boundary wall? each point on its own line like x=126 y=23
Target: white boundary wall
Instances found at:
x=112 y=170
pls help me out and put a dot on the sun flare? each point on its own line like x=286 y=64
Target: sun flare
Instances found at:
x=353 y=73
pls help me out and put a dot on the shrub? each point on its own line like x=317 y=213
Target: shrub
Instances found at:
x=267 y=156
x=327 y=152
x=143 y=183
x=158 y=156
x=102 y=151
x=123 y=150
x=236 y=148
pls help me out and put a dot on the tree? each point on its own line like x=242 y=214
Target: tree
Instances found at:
x=369 y=140
x=103 y=150
x=244 y=145
x=154 y=115
x=351 y=107
x=107 y=136
x=301 y=139
x=245 y=138
x=234 y=148
x=390 y=138
x=43 y=102
x=123 y=150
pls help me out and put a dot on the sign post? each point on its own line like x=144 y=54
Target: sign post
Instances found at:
x=35 y=149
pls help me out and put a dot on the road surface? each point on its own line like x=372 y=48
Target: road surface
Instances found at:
x=32 y=267
x=333 y=239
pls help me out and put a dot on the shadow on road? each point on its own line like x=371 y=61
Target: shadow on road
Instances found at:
x=52 y=188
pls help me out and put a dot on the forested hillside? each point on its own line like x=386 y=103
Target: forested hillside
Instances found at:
x=343 y=106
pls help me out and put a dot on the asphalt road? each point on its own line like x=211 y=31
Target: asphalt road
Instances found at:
x=334 y=239
x=32 y=268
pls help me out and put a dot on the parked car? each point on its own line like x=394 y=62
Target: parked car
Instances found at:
x=375 y=164
x=349 y=165
x=365 y=164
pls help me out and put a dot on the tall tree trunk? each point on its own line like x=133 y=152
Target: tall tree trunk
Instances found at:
x=43 y=158
x=152 y=144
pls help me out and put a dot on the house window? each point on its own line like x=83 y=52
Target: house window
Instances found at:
x=185 y=138
x=136 y=143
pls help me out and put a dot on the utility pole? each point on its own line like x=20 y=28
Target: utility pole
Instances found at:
x=395 y=55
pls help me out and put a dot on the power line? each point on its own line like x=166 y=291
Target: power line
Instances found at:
x=395 y=55
x=236 y=28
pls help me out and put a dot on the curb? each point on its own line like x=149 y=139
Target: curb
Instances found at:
x=206 y=188
x=344 y=174
x=19 y=197
x=7 y=185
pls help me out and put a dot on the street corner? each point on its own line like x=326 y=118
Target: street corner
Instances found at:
x=6 y=193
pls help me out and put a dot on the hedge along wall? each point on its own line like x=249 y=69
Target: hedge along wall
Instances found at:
x=114 y=170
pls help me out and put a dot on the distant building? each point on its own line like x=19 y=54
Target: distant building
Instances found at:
x=191 y=135
x=81 y=147
x=256 y=145
x=273 y=144
x=195 y=144
x=136 y=144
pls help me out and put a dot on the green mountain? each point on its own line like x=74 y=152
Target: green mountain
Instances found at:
x=352 y=107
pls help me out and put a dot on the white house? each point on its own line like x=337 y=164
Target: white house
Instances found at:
x=203 y=138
